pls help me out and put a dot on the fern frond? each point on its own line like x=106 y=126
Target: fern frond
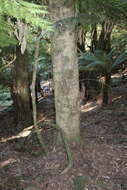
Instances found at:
x=29 y=12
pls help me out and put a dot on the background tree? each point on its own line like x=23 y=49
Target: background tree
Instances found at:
x=21 y=14
x=103 y=20
x=106 y=64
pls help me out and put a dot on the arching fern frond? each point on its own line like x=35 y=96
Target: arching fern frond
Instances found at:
x=6 y=38
x=29 y=12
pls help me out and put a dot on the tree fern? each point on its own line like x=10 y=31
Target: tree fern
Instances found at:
x=19 y=10
x=29 y=12
x=5 y=30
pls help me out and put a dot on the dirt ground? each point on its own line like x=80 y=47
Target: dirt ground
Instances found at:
x=99 y=162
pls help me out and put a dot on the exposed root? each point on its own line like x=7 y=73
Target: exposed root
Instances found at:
x=68 y=151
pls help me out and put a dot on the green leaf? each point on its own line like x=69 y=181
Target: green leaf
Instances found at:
x=88 y=57
x=120 y=59
x=29 y=12
x=81 y=181
x=103 y=185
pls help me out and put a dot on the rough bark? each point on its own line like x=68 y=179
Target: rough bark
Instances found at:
x=104 y=42
x=36 y=57
x=65 y=69
x=94 y=38
x=106 y=87
x=81 y=40
x=20 y=89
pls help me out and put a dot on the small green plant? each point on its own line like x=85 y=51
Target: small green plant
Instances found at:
x=5 y=97
x=81 y=181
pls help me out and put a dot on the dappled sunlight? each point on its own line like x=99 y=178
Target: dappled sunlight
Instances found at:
x=26 y=132
x=117 y=75
x=7 y=162
x=90 y=106
x=2 y=108
x=116 y=98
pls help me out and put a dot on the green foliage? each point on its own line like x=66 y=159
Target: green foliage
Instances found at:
x=86 y=18
x=29 y=12
x=81 y=182
x=5 y=30
x=5 y=97
x=44 y=66
x=10 y=12
x=101 y=61
x=119 y=41
x=122 y=58
x=6 y=61
x=103 y=185
x=111 y=9
x=13 y=10
x=6 y=40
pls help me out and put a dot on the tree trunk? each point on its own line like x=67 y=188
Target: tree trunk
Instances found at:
x=106 y=87
x=104 y=42
x=36 y=57
x=21 y=92
x=81 y=40
x=65 y=69
x=93 y=38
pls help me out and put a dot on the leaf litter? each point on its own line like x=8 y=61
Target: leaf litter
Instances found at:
x=100 y=162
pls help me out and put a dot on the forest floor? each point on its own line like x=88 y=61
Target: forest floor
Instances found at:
x=99 y=163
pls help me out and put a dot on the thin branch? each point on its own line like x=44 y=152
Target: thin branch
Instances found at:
x=34 y=94
x=5 y=66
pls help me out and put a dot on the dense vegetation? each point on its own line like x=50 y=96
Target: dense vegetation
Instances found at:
x=77 y=46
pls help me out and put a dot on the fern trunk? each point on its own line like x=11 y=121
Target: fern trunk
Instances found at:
x=94 y=38
x=106 y=87
x=104 y=42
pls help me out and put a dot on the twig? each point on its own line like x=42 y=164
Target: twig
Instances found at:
x=34 y=95
x=5 y=66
